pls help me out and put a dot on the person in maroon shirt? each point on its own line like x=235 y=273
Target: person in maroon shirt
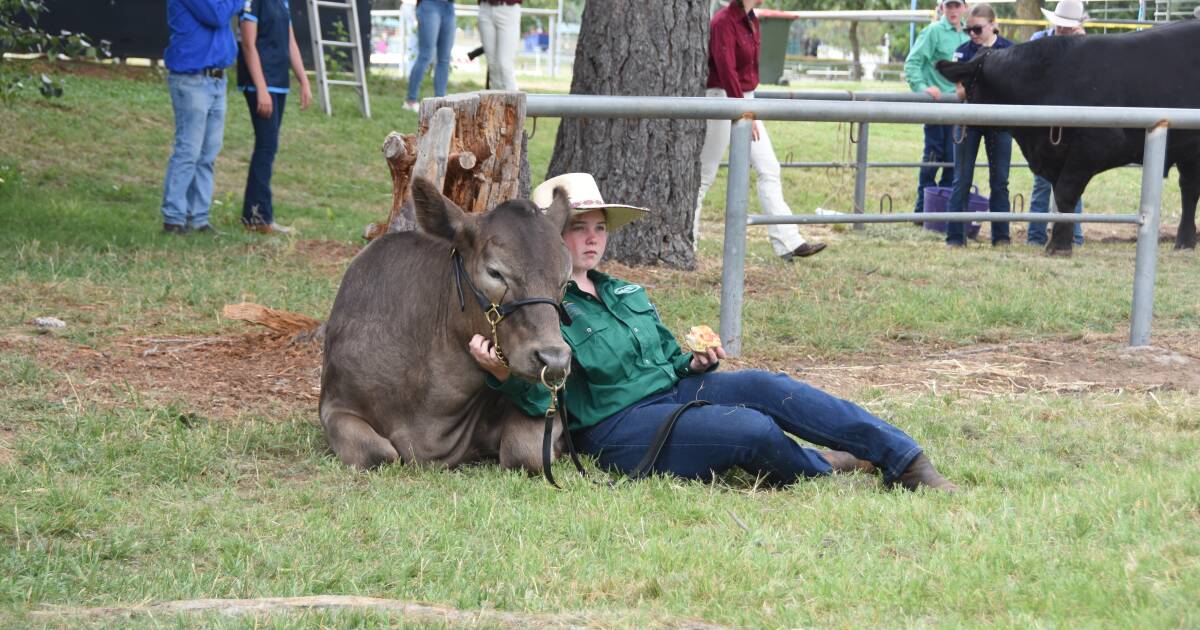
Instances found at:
x=733 y=72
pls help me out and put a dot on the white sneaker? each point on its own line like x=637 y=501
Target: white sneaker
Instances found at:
x=412 y=107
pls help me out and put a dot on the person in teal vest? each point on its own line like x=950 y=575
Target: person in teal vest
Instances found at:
x=937 y=42
x=628 y=375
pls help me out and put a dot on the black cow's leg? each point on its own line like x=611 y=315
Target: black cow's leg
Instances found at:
x=1067 y=191
x=1189 y=188
x=355 y=442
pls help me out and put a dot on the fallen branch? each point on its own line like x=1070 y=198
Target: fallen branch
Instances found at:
x=282 y=322
x=415 y=613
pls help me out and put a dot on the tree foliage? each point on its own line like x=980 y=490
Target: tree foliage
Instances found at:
x=19 y=33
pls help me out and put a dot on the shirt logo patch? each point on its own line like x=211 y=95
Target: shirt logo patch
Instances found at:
x=629 y=288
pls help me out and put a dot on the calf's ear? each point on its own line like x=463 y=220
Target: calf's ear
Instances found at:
x=559 y=211
x=438 y=216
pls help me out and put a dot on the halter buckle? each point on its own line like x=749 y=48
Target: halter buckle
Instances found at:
x=493 y=315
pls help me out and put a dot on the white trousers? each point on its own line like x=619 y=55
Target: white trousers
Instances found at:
x=500 y=29
x=784 y=238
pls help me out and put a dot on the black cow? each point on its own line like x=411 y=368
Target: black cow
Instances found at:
x=1152 y=68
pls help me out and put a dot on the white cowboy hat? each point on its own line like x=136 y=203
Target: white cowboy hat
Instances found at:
x=584 y=195
x=1068 y=13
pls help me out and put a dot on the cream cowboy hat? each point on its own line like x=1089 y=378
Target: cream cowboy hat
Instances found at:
x=584 y=195
x=1068 y=13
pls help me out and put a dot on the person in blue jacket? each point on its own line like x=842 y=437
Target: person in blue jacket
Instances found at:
x=268 y=49
x=984 y=37
x=200 y=48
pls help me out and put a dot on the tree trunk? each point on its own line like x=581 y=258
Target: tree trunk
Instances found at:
x=1027 y=10
x=639 y=48
x=856 y=69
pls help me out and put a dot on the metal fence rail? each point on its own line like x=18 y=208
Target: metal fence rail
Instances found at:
x=744 y=111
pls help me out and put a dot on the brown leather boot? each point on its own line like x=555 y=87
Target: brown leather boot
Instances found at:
x=843 y=462
x=922 y=473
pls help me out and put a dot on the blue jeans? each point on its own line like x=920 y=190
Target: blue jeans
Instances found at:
x=199 y=104
x=256 y=203
x=435 y=33
x=939 y=147
x=747 y=426
x=1039 y=201
x=998 y=145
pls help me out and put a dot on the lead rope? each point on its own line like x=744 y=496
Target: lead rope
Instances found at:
x=559 y=409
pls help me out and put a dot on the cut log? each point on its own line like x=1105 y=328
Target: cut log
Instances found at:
x=430 y=162
x=472 y=146
x=401 y=153
x=490 y=126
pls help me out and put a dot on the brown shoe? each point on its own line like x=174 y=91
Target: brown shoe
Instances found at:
x=843 y=462
x=804 y=251
x=269 y=228
x=922 y=473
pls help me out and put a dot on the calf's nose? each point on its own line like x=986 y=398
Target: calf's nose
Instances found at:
x=556 y=359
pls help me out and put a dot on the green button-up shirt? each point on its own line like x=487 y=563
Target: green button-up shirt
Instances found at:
x=622 y=354
x=937 y=42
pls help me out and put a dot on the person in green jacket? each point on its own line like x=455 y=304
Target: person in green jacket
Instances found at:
x=937 y=42
x=628 y=375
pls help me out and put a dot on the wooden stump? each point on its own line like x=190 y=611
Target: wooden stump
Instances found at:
x=470 y=145
x=489 y=126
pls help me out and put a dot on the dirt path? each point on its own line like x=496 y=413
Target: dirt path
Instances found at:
x=256 y=373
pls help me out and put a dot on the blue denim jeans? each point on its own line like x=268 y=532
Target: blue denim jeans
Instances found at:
x=747 y=426
x=256 y=203
x=199 y=104
x=998 y=145
x=435 y=34
x=939 y=147
x=1039 y=201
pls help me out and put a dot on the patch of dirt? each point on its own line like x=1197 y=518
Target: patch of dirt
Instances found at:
x=97 y=70
x=1087 y=364
x=7 y=454
x=331 y=257
x=261 y=373
x=217 y=377
x=1104 y=232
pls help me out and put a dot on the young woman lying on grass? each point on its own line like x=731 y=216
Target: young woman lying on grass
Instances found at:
x=629 y=375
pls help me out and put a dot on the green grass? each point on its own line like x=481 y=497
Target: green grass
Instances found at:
x=1078 y=509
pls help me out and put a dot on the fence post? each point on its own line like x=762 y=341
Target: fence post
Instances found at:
x=737 y=205
x=1147 y=243
x=860 y=172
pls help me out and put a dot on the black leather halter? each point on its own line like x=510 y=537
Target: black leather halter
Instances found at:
x=495 y=313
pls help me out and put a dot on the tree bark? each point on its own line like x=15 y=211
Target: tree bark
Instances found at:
x=856 y=69
x=639 y=48
x=1027 y=10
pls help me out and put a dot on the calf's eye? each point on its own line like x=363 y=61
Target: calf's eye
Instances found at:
x=495 y=274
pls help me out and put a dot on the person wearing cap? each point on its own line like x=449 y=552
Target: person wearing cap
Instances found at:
x=628 y=375
x=733 y=45
x=200 y=48
x=936 y=42
x=1066 y=19
x=997 y=141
